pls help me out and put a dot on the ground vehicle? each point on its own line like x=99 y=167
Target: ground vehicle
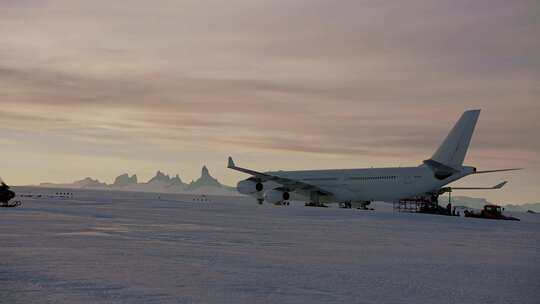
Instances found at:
x=6 y=195
x=492 y=212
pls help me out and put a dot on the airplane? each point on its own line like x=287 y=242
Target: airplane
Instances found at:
x=363 y=186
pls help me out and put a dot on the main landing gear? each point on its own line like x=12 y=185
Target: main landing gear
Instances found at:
x=314 y=201
x=356 y=205
x=315 y=204
x=345 y=205
x=284 y=203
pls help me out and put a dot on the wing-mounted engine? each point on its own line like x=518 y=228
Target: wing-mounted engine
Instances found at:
x=276 y=196
x=250 y=186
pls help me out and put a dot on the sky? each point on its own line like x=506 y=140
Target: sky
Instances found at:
x=100 y=88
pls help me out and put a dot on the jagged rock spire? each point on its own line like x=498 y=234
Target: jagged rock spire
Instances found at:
x=205 y=180
x=125 y=180
x=205 y=172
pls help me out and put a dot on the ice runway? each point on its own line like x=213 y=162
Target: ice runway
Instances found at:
x=113 y=247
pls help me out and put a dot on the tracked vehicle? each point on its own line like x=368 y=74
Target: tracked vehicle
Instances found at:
x=491 y=212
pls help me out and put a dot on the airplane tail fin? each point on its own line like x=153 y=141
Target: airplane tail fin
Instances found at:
x=454 y=148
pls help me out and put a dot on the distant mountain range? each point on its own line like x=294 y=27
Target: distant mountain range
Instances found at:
x=161 y=182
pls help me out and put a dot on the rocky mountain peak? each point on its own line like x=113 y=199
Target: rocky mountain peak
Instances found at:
x=125 y=180
x=206 y=180
x=160 y=178
x=89 y=183
x=205 y=172
x=176 y=182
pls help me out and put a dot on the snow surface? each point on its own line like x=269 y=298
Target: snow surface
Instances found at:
x=123 y=247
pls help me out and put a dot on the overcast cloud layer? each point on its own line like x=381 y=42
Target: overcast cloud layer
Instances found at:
x=100 y=87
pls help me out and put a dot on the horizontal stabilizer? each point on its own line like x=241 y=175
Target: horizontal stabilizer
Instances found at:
x=498 y=170
x=498 y=186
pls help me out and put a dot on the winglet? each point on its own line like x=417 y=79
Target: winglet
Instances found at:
x=231 y=163
x=499 y=186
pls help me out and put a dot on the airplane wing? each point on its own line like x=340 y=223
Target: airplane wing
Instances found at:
x=290 y=184
x=498 y=170
x=450 y=189
x=498 y=186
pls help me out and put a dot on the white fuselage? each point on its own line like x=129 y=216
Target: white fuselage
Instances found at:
x=374 y=184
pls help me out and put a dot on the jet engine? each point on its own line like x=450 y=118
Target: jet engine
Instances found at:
x=276 y=196
x=249 y=186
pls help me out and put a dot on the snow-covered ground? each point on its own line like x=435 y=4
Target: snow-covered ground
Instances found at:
x=122 y=247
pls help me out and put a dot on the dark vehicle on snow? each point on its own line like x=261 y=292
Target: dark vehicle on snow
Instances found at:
x=492 y=212
x=6 y=195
